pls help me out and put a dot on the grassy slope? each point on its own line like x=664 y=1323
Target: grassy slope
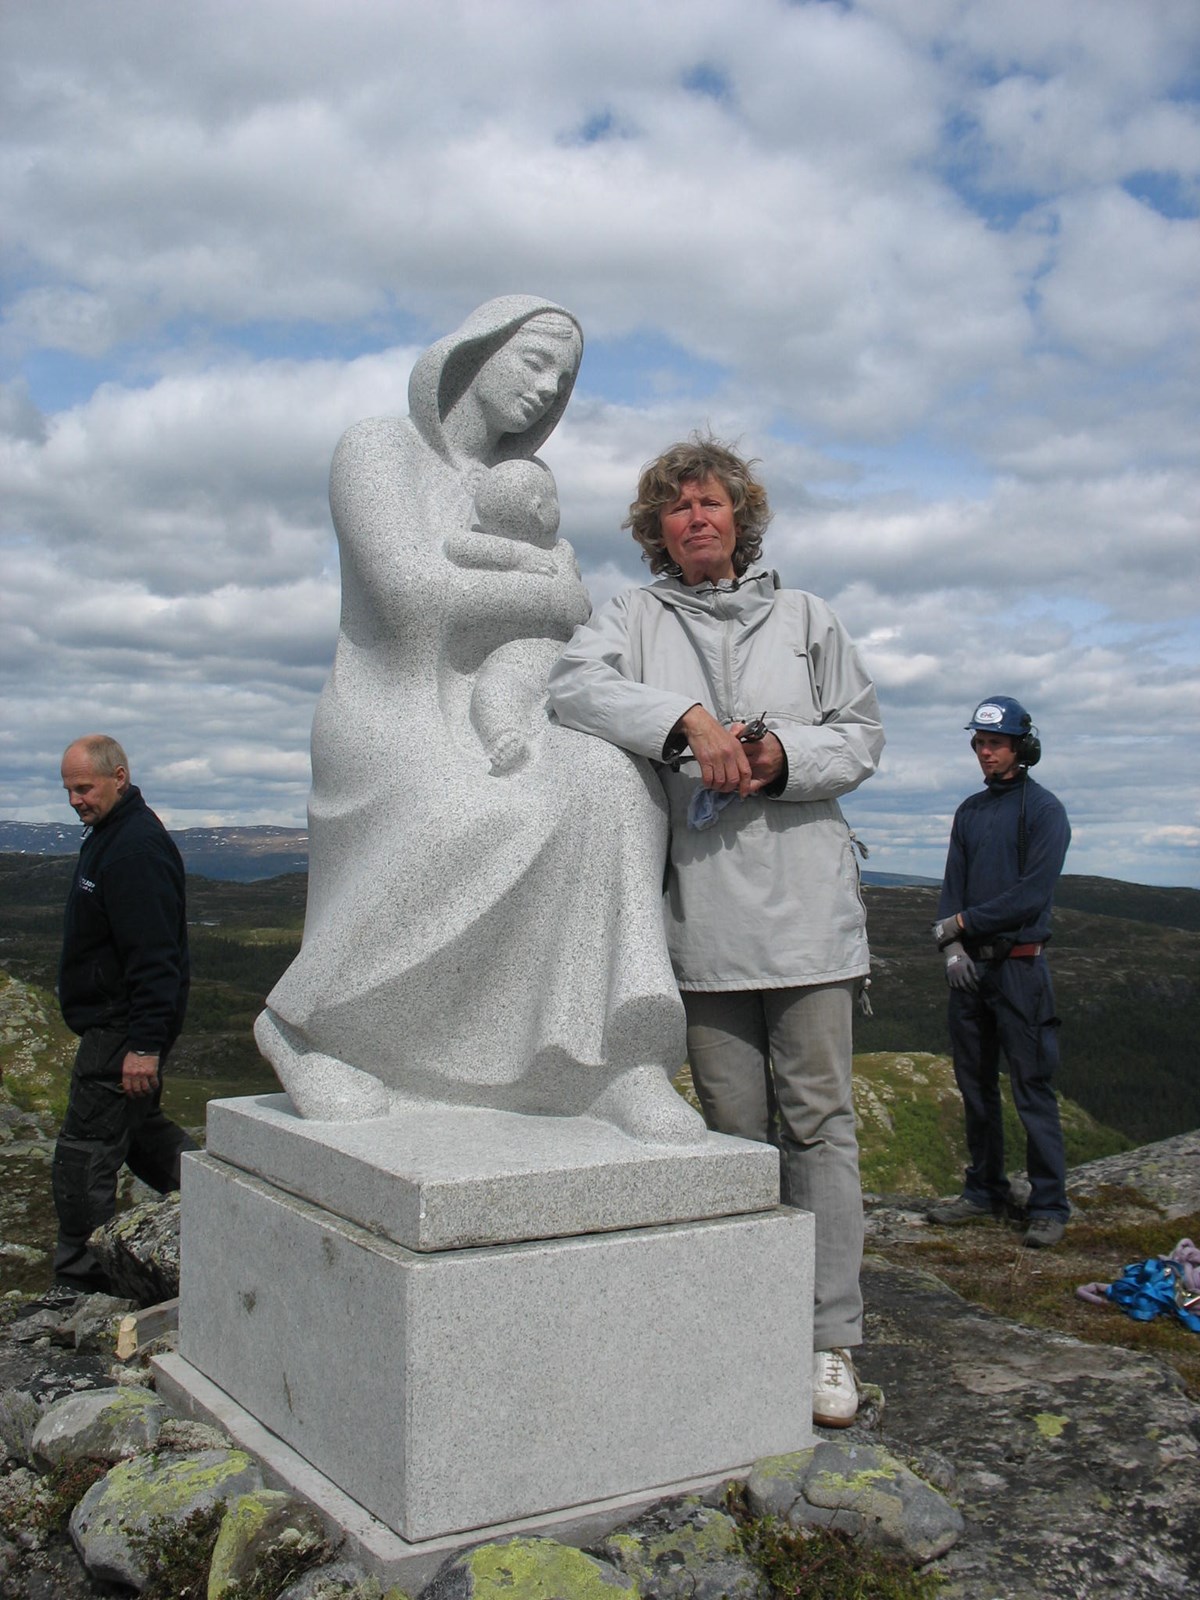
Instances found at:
x=911 y=1129
x=1128 y=989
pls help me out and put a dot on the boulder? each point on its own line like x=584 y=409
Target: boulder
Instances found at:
x=19 y=1416
x=183 y=1436
x=116 y=1516
x=861 y=1490
x=265 y=1529
x=139 y=1250
x=105 y=1424
x=683 y=1549
x=527 y=1569
x=338 y=1580
x=92 y=1323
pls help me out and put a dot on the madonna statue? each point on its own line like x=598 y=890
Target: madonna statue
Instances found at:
x=482 y=928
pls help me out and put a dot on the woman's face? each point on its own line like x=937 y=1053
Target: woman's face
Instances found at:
x=517 y=386
x=700 y=532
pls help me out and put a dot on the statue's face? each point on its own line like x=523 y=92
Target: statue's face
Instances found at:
x=517 y=386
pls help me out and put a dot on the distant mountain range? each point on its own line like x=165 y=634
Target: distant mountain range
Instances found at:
x=249 y=855
x=239 y=855
x=231 y=855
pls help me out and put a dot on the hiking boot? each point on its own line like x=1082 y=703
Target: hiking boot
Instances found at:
x=1043 y=1232
x=835 y=1389
x=949 y=1213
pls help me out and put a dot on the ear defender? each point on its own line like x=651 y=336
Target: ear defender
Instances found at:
x=1029 y=747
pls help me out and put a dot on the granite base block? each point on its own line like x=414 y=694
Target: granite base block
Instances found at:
x=364 y=1538
x=444 y=1177
x=457 y=1390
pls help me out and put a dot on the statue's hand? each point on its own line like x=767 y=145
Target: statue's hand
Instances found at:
x=508 y=752
x=492 y=552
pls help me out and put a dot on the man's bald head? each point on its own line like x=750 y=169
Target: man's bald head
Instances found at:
x=95 y=774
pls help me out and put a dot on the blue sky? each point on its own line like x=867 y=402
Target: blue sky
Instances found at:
x=933 y=261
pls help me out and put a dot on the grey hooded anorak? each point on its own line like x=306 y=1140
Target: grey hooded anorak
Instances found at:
x=769 y=896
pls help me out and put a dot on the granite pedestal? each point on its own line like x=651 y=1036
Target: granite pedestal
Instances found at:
x=602 y=1353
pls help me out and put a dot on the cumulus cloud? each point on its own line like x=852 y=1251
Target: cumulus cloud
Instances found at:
x=934 y=262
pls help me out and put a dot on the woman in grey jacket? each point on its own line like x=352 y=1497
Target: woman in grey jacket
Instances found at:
x=754 y=702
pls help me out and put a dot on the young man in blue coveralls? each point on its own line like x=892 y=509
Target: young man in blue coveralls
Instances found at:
x=1007 y=848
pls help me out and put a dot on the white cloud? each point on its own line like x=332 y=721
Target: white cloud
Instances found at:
x=934 y=261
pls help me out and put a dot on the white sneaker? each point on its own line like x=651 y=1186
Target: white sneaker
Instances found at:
x=835 y=1389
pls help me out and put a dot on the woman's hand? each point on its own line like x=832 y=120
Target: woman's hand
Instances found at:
x=765 y=756
x=724 y=763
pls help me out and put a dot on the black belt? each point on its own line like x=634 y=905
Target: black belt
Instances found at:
x=1001 y=952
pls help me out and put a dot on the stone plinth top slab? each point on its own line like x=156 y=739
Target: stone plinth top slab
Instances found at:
x=447 y=1177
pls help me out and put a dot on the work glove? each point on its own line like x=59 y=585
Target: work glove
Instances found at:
x=946 y=929
x=961 y=972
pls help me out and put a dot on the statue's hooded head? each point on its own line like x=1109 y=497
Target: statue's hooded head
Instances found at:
x=449 y=369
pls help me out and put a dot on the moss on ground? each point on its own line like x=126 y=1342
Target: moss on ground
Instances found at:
x=824 y=1563
x=987 y=1264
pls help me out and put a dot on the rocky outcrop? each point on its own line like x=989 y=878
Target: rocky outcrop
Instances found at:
x=1167 y=1173
x=1019 y=1464
x=1076 y=1466
x=262 y=1531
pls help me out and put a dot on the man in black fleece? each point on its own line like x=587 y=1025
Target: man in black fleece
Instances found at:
x=123 y=987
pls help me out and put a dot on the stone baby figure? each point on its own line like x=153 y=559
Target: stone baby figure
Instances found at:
x=515 y=530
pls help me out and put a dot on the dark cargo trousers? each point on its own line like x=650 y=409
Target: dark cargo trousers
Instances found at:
x=1013 y=1011
x=104 y=1129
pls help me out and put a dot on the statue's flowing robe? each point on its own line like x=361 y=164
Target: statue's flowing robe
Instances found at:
x=468 y=937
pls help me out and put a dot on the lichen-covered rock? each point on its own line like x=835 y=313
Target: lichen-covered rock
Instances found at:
x=338 y=1580
x=139 y=1250
x=106 y=1424
x=261 y=1529
x=527 y=1569
x=682 y=1549
x=115 y=1513
x=183 y=1436
x=862 y=1490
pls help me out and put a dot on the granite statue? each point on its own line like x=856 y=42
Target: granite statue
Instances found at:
x=484 y=919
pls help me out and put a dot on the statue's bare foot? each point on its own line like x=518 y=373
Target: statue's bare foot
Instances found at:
x=322 y=1088
x=508 y=752
x=642 y=1103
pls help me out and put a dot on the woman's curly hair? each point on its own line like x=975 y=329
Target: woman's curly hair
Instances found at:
x=660 y=485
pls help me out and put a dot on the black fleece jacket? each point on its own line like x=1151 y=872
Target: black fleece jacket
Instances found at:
x=125 y=950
